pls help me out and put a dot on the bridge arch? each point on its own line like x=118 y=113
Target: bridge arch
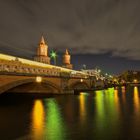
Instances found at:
x=53 y=85
x=79 y=85
x=24 y=85
x=14 y=84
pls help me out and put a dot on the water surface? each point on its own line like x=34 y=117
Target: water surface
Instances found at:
x=111 y=114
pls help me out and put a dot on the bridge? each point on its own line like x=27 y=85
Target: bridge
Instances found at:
x=18 y=75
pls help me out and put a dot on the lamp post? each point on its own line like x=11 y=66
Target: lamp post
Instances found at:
x=53 y=56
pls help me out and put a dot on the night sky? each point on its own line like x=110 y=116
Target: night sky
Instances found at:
x=103 y=33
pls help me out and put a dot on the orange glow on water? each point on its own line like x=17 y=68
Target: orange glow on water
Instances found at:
x=116 y=99
x=136 y=90
x=123 y=89
x=136 y=98
x=116 y=95
x=82 y=106
x=38 y=120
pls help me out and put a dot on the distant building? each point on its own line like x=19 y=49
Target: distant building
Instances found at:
x=95 y=73
x=66 y=60
x=91 y=72
x=42 y=52
x=130 y=76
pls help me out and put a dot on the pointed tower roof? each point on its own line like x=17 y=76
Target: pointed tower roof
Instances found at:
x=42 y=40
x=66 y=52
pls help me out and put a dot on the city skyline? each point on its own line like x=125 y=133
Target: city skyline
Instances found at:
x=97 y=34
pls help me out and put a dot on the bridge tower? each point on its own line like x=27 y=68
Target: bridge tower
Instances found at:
x=42 y=52
x=66 y=60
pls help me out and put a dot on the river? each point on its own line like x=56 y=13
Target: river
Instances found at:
x=112 y=114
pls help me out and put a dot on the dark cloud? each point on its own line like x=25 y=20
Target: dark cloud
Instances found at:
x=84 y=26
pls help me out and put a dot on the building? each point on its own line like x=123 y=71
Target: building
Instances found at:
x=42 y=52
x=129 y=76
x=91 y=72
x=96 y=73
x=66 y=60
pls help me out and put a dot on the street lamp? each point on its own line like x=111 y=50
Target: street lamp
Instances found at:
x=53 y=56
x=99 y=70
x=38 y=79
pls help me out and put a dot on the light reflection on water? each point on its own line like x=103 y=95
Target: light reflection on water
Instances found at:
x=103 y=114
x=38 y=120
x=136 y=99
x=49 y=126
x=55 y=127
x=82 y=106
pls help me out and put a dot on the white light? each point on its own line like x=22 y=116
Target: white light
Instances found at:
x=81 y=80
x=38 y=79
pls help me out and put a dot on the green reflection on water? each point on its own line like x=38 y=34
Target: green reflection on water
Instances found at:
x=55 y=129
x=100 y=103
x=107 y=111
x=47 y=122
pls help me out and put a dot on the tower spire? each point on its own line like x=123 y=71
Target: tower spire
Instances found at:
x=42 y=52
x=66 y=52
x=42 y=40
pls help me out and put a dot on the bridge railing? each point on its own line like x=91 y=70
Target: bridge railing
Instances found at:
x=18 y=68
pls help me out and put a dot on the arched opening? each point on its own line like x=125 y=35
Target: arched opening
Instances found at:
x=80 y=86
x=31 y=87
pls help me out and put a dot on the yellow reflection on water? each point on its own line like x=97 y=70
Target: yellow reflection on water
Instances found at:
x=82 y=105
x=38 y=120
x=136 y=99
x=123 y=91
x=116 y=98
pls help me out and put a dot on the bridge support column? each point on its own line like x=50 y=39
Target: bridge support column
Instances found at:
x=65 y=86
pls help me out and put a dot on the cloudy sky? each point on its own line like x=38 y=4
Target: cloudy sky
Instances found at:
x=103 y=33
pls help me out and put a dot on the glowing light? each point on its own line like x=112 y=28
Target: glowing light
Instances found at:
x=53 y=55
x=115 y=80
x=106 y=105
x=38 y=120
x=82 y=105
x=135 y=80
x=123 y=89
x=100 y=101
x=136 y=99
x=81 y=80
x=55 y=125
x=38 y=79
x=99 y=70
x=116 y=96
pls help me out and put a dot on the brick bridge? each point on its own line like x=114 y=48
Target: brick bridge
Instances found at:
x=29 y=84
x=19 y=75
